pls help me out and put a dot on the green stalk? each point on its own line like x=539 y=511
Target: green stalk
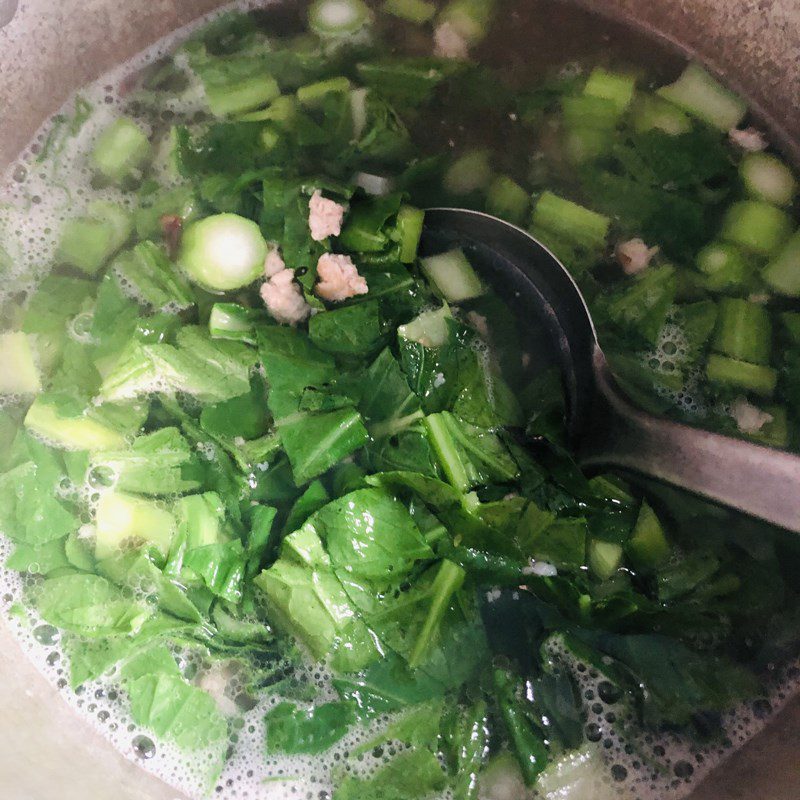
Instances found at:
x=756 y=227
x=447 y=452
x=570 y=221
x=527 y=741
x=706 y=98
x=611 y=86
x=741 y=375
x=121 y=151
x=744 y=331
x=508 y=200
x=416 y=11
x=409 y=230
x=724 y=267
x=447 y=582
x=782 y=273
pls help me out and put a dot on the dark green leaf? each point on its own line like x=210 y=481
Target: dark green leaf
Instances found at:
x=371 y=535
x=246 y=416
x=315 y=442
x=350 y=331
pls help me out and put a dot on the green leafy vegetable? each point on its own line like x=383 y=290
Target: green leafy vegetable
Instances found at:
x=294 y=730
x=176 y=710
x=159 y=463
x=90 y=606
x=412 y=774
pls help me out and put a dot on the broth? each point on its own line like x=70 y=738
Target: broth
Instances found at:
x=564 y=648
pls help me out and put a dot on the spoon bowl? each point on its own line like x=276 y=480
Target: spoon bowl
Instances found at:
x=606 y=429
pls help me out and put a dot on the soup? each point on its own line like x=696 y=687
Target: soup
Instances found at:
x=290 y=510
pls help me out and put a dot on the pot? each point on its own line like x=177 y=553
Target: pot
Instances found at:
x=48 y=48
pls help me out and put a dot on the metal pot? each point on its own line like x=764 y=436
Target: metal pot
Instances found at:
x=49 y=47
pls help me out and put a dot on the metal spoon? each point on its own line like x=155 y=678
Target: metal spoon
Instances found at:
x=605 y=427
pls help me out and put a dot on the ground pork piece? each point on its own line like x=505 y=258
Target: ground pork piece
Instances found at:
x=751 y=140
x=273 y=264
x=338 y=278
x=749 y=418
x=284 y=299
x=324 y=217
x=478 y=321
x=449 y=43
x=634 y=256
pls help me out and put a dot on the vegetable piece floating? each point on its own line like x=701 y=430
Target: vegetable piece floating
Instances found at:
x=228 y=95
x=648 y=547
x=570 y=221
x=756 y=227
x=123 y=520
x=19 y=374
x=89 y=242
x=590 y=112
x=651 y=112
x=744 y=331
x=223 y=252
x=605 y=558
x=453 y=275
x=121 y=151
x=508 y=200
x=410 y=222
x=61 y=421
x=782 y=273
x=725 y=267
x=313 y=95
x=152 y=277
x=336 y=18
x=417 y=11
x=235 y=322
x=734 y=374
x=704 y=97
x=611 y=86
x=471 y=172
x=767 y=178
x=428 y=329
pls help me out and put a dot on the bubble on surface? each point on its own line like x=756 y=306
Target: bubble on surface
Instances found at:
x=671 y=355
x=642 y=767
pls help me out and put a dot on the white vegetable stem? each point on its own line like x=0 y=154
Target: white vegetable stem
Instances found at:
x=337 y=17
x=223 y=252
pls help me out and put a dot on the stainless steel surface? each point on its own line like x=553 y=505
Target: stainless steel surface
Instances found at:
x=51 y=47
x=47 y=753
x=7 y=10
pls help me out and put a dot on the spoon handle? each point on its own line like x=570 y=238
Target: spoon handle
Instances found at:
x=760 y=481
